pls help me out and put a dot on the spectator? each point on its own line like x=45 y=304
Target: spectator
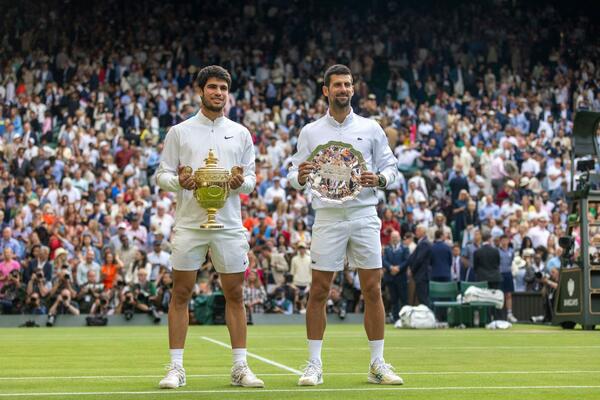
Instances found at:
x=395 y=256
x=419 y=265
x=441 y=259
x=300 y=269
x=255 y=295
x=486 y=263
x=87 y=265
x=8 y=265
x=111 y=268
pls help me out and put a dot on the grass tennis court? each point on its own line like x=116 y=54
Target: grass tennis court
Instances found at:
x=127 y=362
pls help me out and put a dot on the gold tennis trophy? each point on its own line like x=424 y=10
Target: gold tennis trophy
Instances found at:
x=212 y=188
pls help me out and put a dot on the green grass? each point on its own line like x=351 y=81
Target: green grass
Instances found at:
x=524 y=362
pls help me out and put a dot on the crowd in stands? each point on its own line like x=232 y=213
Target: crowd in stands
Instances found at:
x=477 y=100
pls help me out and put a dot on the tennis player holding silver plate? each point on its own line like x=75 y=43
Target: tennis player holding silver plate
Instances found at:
x=345 y=158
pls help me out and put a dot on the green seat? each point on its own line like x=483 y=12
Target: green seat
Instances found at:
x=443 y=297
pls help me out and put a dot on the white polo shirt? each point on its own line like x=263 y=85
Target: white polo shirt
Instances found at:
x=365 y=135
x=188 y=143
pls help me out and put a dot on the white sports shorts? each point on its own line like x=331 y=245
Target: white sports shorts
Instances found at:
x=228 y=249
x=341 y=232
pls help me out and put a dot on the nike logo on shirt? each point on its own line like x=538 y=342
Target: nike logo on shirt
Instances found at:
x=228 y=137
x=359 y=138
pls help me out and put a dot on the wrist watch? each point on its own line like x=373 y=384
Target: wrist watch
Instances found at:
x=382 y=182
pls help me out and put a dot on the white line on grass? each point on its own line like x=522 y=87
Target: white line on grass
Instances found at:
x=108 y=377
x=301 y=390
x=525 y=348
x=265 y=360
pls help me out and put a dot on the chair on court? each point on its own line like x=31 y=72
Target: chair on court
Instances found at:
x=443 y=298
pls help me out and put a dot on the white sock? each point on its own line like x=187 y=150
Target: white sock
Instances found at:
x=314 y=349
x=239 y=355
x=376 y=347
x=176 y=356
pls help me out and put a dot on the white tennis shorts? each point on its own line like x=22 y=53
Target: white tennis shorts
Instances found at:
x=340 y=233
x=228 y=249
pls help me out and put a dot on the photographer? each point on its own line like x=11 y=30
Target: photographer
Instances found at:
x=12 y=294
x=62 y=281
x=163 y=291
x=280 y=304
x=336 y=304
x=38 y=285
x=549 y=284
x=102 y=305
x=62 y=306
x=137 y=298
x=39 y=261
x=35 y=306
x=89 y=292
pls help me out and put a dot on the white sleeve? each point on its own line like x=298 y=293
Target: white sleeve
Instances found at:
x=383 y=159
x=249 y=165
x=302 y=153
x=166 y=174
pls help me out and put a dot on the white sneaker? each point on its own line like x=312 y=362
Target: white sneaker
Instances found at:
x=313 y=374
x=383 y=374
x=241 y=375
x=511 y=318
x=175 y=377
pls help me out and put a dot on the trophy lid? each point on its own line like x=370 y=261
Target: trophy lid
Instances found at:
x=211 y=161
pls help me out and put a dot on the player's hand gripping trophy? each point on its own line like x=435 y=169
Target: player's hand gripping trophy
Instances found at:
x=211 y=185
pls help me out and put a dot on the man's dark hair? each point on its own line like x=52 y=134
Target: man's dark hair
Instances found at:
x=337 y=69
x=438 y=234
x=213 y=71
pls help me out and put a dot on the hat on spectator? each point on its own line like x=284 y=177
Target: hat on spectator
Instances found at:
x=372 y=96
x=60 y=251
x=276 y=178
x=528 y=252
x=34 y=202
x=510 y=183
x=524 y=181
x=157 y=243
x=122 y=225
x=532 y=216
x=301 y=245
x=261 y=215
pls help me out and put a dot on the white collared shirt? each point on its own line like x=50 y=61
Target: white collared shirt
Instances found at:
x=188 y=143
x=365 y=135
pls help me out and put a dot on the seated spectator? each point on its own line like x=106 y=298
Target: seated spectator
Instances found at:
x=12 y=294
x=280 y=304
x=7 y=265
x=255 y=295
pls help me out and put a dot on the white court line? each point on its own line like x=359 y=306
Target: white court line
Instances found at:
x=301 y=390
x=566 y=347
x=256 y=356
x=115 y=377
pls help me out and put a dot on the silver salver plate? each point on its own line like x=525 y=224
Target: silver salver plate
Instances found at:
x=336 y=177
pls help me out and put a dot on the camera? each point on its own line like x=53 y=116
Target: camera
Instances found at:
x=540 y=275
x=103 y=302
x=39 y=275
x=67 y=277
x=64 y=297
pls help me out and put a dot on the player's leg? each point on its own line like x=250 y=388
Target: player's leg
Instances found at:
x=189 y=253
x=316 y=321
x=328 y=251
x=229 y=252
x=183 y=283
x=364 y=253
